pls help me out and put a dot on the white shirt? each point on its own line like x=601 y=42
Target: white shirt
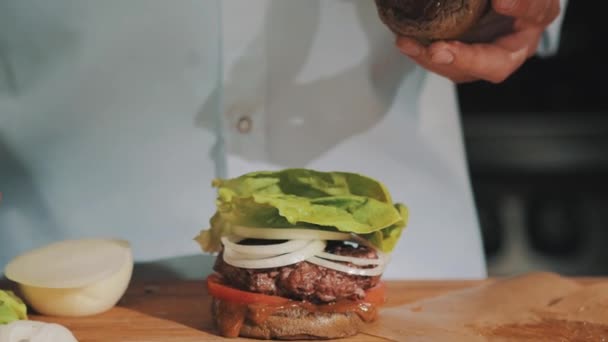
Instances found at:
x=115 y=116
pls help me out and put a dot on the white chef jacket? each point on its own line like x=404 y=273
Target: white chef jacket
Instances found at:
x=115 y=115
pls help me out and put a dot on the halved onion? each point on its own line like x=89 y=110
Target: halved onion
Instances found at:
x=309 y=250
x=289 y=233
x=73 y=277
x=370 y=272
x=263 y=250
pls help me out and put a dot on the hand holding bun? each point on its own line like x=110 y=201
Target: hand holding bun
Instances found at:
x=469 y=40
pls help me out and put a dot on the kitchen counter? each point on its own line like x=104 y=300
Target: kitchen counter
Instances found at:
x=179 y=310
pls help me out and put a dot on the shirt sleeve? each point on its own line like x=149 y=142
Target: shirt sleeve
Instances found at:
x=549 y=43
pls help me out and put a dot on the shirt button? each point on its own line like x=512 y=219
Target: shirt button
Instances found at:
x=244 y=124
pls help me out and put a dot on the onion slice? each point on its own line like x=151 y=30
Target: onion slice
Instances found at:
x=289 y=233
x=309 y=250
x=368 y=272
x=381 y=260
x=304 y=244
x=263 y=250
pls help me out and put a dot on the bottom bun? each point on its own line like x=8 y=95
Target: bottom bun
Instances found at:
x=297 y=323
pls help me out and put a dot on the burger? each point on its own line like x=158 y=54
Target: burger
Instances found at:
x=299 y=253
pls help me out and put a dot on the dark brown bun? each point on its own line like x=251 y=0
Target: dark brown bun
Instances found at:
x=297 y=323
x=422 y=20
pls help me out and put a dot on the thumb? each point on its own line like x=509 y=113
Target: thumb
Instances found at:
x=537 y=12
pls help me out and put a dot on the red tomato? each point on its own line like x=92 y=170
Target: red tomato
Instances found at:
x=223 y=292
x=375 y=295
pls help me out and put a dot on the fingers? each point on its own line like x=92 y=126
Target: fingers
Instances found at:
x=465 y=63
x=536 y=12
x=492 y=63
x=440 y=64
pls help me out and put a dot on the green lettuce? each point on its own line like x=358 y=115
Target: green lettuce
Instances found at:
x=12 y=307
x=337 y=201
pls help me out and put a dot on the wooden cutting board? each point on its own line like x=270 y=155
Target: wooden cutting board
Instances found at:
x=179 y=311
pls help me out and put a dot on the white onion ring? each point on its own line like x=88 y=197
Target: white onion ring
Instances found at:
x=381 y=260
x=309 y=250
x=368 y=272
x=289 y=233
x=304 y=244
x=263 y=250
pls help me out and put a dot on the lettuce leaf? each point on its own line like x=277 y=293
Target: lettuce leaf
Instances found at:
x=338 y=201
x=386 y=239
x=305 y=183
x=12 y=307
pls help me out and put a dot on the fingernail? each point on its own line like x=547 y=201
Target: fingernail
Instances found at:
x=519 y=54
x=507 y=4
x=442 y=57
x=408 y=48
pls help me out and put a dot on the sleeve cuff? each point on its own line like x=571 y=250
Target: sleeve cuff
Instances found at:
x=549 y=43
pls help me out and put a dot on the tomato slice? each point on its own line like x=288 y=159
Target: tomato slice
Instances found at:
x=376 y=295
x=223 y=292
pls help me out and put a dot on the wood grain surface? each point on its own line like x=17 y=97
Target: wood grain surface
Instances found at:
x=179 y=311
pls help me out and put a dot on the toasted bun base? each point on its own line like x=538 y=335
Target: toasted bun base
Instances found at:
x=296 y=323
x=452 y=24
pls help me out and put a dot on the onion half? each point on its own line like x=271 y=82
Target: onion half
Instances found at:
x=73 y=277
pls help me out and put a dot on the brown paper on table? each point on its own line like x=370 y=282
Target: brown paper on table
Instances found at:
x=533 y=307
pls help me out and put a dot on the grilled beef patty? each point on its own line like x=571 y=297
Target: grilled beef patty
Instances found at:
x=304 y=280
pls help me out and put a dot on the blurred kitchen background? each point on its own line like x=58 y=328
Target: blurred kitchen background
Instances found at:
x=538 y=153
